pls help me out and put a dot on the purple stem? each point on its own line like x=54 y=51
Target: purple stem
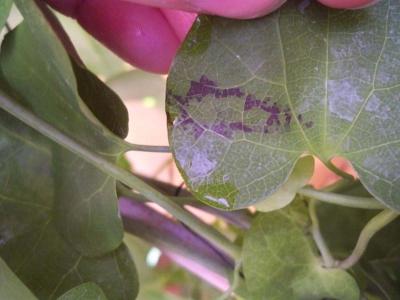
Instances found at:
x=177 y=241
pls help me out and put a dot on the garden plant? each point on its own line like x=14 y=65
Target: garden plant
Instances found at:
x=253 y=106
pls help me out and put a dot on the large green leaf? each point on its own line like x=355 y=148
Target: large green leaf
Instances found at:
x=35 y=65
x=279 y=262
x=86 y=291
x=31 y=243
x=247 y=98
x=11 y=288
x=5 y=7
x=32 y=56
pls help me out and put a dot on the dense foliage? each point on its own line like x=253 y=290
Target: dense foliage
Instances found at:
x=251 y=105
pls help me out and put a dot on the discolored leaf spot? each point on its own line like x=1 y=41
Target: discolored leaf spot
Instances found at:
x=263 y=92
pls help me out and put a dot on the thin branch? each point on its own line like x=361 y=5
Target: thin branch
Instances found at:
x=327 y=257
x=339 y=199
x=238 y=218
x=340 y=186
x=134 y=182
x=171 y=236
x=372 y=227
x=148 y=148
x=338 y=171
x=235 y=282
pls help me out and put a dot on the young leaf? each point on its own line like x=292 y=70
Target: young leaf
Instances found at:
x=300 y=176
x=279 y=262
x=32 y=244
x=247 y=98
x=5 y=7
x=86 y=291
x=11 y=288
x=35 y=65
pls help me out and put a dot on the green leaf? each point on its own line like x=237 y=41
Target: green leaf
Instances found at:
x=279 y=262
x=247 y=98
x=86 y=291
x=36 y=66
x=300 y=176
x=5 y=7
x=11 y=288
x=101 y=100
x=32 y=56
x=31 y=243
x=378 y=267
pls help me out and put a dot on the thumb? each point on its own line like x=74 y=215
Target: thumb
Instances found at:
x=238 y=9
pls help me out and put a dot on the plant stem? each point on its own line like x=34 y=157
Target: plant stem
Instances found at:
x=120 y=174
x=235 y=282
x=339 y=199
x=338 y=171
x=339 y=186
x=238 y=218
x=327 y=257
x=372 y=227
x=173 y=237
x=148 y=148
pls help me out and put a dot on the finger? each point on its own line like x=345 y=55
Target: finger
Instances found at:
x=239 y=9
x=140 y=35
x=180 y=21
x=351 y=4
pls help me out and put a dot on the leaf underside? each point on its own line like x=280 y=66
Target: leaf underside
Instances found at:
x=247 y=98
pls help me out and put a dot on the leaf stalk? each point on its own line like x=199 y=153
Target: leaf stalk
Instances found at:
x=373 y=226
x=327 y=257
x=207 y=232
x=339 y=199
x=148 y=148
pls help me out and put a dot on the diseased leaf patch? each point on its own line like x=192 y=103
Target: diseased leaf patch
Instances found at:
x=277 y=118
x=247 y=98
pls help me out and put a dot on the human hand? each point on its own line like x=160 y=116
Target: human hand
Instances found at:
x=148 y=33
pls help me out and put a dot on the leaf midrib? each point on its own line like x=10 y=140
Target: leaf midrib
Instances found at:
x=284 y=67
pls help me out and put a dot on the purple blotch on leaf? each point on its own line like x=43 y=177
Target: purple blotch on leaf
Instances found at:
x=223 y=129
x=190 y=124
x=275 y=114
x=240 y=126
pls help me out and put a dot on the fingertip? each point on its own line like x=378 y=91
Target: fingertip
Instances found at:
x=348 y=4
x=139 y=34
x=180 y=21
x=238 y=9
